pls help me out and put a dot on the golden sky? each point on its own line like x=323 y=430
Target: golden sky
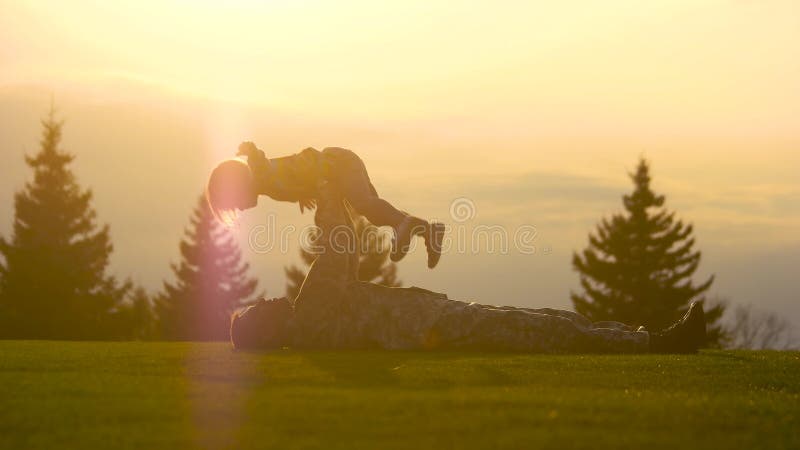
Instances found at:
x=610 y=75
x=673 y=62
x=535 y=108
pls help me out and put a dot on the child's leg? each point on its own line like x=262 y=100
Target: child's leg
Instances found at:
x=350 y=176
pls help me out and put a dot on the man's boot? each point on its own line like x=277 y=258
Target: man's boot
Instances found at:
x=685 y=336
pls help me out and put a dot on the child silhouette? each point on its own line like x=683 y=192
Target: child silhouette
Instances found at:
x=235 y=186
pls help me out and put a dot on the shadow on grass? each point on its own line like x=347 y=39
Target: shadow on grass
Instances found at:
x=365 y=368
x=433 y=370
x=726 y=355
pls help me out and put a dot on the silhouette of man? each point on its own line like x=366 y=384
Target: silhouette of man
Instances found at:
x=336 y=311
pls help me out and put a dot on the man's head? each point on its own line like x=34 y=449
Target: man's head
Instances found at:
x=231 y=189
x=262 y=326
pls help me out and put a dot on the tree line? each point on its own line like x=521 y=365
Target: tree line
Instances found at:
x=638 y=268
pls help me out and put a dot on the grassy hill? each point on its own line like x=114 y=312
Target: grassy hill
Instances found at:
x=181 y=395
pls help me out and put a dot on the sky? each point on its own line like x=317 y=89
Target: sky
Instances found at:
x=532 y=111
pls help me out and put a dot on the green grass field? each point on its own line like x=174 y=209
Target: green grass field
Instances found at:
x=165 y=395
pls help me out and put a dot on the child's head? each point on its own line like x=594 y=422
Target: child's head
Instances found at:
x=262 y=326
x=231 y=189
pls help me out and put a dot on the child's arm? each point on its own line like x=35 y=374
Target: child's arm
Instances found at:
x=256 y=159
x=268 y=185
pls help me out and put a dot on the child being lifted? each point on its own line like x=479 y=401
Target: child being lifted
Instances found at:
x=235 y=186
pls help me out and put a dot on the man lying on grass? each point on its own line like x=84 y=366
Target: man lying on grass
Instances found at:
x=336 y=311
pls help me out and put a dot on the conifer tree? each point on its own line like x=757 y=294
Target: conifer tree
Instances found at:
x=54 y=267
x=639 y=265
x=211 y=281
x=136 y=316
x=374 y=265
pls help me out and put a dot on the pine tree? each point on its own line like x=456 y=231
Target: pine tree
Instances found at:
x=210 y=282
x=54 y=272
x=136 y=317
x=374 y=265
x=639 y=265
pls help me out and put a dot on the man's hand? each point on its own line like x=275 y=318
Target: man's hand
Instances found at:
x=307 y=203
x=247 y=149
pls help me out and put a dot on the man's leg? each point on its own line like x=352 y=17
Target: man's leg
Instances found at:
x=575 y=317
x=472 y=326
x=328 y=285
x=337 y=253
